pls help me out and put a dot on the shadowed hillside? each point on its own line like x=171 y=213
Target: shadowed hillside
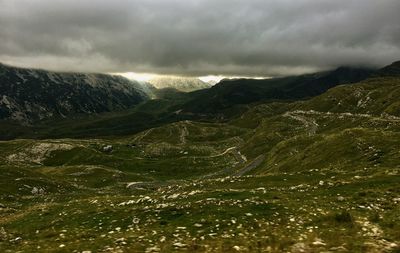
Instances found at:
x=245 y=91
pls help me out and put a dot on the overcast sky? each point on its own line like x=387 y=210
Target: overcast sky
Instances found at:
x=199 y=37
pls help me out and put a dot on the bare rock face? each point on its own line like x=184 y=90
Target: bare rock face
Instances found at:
x=28 y=95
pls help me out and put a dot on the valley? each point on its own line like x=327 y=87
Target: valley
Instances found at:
x=318 y=174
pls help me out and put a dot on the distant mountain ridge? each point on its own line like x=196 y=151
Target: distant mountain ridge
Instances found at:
x=28 y=95
x=228 y=93
x=390 y=70
x=185 y=84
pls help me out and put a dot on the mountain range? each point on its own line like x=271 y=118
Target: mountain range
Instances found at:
x=30 y=95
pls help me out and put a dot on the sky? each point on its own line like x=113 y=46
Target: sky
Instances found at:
x=199 y=37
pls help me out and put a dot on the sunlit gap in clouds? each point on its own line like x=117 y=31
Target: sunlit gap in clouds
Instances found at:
x=145 y=77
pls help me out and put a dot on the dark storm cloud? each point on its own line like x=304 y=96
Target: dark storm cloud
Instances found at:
x=231 y=37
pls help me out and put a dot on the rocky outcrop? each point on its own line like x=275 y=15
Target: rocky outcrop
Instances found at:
x=28 y=95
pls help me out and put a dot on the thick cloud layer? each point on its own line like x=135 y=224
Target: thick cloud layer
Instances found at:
x=199 y=37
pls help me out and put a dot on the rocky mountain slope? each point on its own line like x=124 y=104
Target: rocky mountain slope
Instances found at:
x=28 y=95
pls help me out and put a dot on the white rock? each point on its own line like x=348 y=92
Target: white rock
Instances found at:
x=179 y=244
x=108 y=148
x=237 y=248
x=318 y=242
x=174 y=196
x=153 y=249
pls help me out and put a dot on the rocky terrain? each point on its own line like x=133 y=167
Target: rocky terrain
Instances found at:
x=317 y=175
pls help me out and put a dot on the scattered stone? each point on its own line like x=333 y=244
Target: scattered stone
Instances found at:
x=174 y=196
x=338 y=249
x=318 y=242
x=120 y=240
x=37 y=191
x=179 y=245
x=237 y=248
x=108 y=148
x=153 y=249
x=340 y=198
x=300 y=248
x=17 y=239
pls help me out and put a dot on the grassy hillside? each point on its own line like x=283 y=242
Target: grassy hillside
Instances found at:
x=312 y=176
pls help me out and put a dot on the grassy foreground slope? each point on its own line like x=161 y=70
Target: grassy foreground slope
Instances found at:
x=315 y=176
